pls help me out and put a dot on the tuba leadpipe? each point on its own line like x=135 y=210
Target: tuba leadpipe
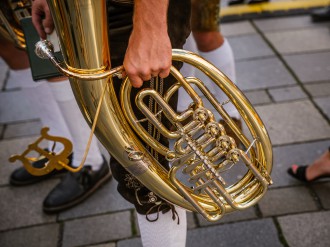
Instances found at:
x=202 y=150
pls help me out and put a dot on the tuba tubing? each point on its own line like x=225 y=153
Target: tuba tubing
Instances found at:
x=87 y=62
x=11 y=12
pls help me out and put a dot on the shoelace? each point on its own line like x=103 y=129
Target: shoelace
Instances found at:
x=84 y=177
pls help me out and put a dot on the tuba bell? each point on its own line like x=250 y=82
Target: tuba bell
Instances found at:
x=203 y=157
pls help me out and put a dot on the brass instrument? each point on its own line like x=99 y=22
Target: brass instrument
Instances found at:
x=203 y=153
x=11 y=12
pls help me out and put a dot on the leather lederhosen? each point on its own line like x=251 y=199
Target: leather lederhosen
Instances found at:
x=205 y=15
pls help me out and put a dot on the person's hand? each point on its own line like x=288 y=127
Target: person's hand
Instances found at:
x=148 y=55
x=41 y=18
x=149 y=51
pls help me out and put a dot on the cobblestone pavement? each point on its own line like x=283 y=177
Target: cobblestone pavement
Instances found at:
x=283 y=66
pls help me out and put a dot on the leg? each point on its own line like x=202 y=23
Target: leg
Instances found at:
x=62 y=121
x=40 y=97
x=76 y=124
x=213 y=47
x=187 y=70
x=320 y=168
x=152 y=233
x=76 y=187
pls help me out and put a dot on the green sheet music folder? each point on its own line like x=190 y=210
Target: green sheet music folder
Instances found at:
x=40 y=68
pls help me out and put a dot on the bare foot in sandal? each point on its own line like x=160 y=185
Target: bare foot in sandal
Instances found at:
x=320 y=168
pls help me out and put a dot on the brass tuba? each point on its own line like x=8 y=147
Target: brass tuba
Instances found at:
x=11 y=12
x=202 y=154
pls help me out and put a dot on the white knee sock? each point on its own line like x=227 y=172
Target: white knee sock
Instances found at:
x=164 y=232
x=50 y=114
x=223 y=59
x=77 y=125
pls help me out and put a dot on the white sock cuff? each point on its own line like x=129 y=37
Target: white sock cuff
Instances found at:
x=164 y=231
x=79 y=131
x=223 y=59
x=221 y=55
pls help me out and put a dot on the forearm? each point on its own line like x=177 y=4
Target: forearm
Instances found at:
x=149 y=51
x=150 y=15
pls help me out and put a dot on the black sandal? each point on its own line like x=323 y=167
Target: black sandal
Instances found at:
x=300 y=173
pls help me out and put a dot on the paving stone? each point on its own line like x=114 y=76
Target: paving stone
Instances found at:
x=135 y=230
x=258 y=97
x=38 y=236
x=310 y=67
x=237 y=28
x=247 y=214
x=287 y=93
x=256 y=233
x=134 y=242
x=249 y=46
x=318 y=89
x=191 y=223
x=11 y=85
x=305 y=230
x=7 y=149
x=300 y=40
x=324 y=104
x=287 y=200
x=262 y=73
x=20 y=110
x=103 y=151
x=3 y=75
x=97 y=229
x=103 y=245
x=28 y=106
x=25 y=82
x=293 y=122
x=104 y=200
x=322 y=191
x=286 y=156
x=286 y=23
x=23 y=129
x=22 y=206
